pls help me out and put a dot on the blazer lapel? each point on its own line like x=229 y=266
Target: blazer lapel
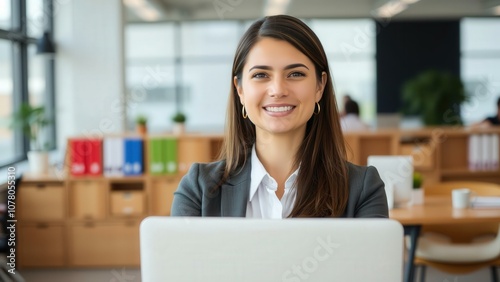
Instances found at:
x=234 y=193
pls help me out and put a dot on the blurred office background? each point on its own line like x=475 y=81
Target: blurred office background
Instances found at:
x=119 y=59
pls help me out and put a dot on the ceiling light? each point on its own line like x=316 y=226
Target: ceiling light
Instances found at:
x=134 y=3
x=409 y=1
x=496 y=10
x=44 y=45
x=148 y=14
x=391 y=8
x=143 y=9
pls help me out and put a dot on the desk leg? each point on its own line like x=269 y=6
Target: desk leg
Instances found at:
x=413 y=231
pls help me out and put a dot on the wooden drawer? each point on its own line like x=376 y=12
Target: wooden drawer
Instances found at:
x=162 y=195
x=88 y=199
x=127 y=203
x=423 y=155
x=41 y=245
x=43 y=201
x=104 y=244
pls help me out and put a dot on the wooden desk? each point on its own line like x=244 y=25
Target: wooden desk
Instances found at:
x=436 y=210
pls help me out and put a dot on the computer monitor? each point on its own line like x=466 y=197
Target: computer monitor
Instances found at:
x=397 y=174
x=239 y=249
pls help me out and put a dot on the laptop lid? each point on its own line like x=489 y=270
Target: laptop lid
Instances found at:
x=397 y=174
x=240 y=249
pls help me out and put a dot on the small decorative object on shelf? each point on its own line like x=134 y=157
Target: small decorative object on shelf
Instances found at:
x=179 y=120
x=418 y=191
x=141 y=122
x=32 y=121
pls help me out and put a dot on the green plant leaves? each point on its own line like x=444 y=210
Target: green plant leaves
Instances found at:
x=435 y=96
x=31 y=120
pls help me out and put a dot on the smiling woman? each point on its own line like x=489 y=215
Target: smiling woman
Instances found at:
x=279 y=89
x=283 y=153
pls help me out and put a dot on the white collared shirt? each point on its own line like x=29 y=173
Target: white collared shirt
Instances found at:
x=263 y=202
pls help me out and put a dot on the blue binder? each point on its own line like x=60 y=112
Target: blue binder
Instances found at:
x=134 y=163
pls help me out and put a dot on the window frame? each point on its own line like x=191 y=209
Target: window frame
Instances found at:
x=20 y=41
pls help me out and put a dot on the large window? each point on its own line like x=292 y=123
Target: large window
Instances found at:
x=5 y=14
x=180 y=67
x=23 y=74
x=6 y=100
x=480 y=65
x=187 y=66
x=350 y=48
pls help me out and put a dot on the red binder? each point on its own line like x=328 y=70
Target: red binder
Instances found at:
x=86 y=157
x=79 y=150
x=93 y=162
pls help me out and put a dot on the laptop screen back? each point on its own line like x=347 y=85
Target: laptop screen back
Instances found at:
x=236 y=249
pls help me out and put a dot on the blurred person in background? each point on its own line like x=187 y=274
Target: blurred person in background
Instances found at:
x=351 y=121
x=490 y=121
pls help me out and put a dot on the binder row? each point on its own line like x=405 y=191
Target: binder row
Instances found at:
x=483 y=152
x=122 y=156
x=163 y=156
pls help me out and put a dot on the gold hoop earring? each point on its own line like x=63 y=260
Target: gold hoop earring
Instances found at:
x=243 y=112
x=319 y=109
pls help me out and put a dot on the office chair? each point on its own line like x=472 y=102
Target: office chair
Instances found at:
x=460 y=248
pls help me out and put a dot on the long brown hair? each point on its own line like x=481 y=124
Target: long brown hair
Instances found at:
x=322 y=182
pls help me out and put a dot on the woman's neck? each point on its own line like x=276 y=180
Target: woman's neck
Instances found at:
x=277 y=154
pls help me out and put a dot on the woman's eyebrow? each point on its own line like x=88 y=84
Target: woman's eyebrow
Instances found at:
x=292 y=66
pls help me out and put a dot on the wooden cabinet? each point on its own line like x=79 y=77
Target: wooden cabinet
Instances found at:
x=41 y=245
x=193 y=149
x=360 y=145
x=454 y=153
x=127 y=203
x=424 y=156
x=88 y=199
x=104 y=244
x=42 y=211
x=42 y=201
x=162 y=194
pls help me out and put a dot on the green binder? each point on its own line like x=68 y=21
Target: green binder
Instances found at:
x=156 y=157
x=170 y=153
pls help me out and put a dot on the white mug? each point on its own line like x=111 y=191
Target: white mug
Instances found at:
x=461 y=198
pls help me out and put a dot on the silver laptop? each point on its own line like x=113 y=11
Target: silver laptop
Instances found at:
x=256 y=250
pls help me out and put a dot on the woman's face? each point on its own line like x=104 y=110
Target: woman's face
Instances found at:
x=279 y=87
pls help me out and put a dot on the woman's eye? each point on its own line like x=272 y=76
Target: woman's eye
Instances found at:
x=259 y=75
x=296 y=74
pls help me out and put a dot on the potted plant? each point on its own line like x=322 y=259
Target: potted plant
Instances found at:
x=32 y=121
x=418 y=191
x=141 y=122
x=436 y=97
x=179 y=119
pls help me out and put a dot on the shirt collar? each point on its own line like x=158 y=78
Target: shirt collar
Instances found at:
x=257 y=175
x=260 y=174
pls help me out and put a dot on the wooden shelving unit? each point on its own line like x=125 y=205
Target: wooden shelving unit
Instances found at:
x=94 y=221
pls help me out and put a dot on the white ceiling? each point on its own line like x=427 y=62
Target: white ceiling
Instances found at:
x=172 y=10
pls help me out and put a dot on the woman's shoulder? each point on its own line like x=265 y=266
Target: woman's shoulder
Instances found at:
x=360 y=175
x=357 y=170
x=212 y=169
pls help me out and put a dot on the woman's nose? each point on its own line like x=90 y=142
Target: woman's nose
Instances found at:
x=277 y=88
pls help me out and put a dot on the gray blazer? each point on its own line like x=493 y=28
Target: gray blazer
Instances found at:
x=194 y=197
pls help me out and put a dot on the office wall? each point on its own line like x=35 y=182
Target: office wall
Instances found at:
x=89 y=68
x=406 y=48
